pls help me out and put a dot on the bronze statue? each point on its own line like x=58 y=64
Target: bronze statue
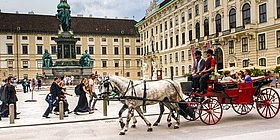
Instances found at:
x=47 y=59
x=63 y=15
x=85 y=60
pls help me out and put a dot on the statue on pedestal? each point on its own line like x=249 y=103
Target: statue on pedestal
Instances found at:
x=85 y=59
x=63 y=15
x=47 y=59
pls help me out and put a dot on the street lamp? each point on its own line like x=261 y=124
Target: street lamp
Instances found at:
x=216 y=44
x=122 y=34
x=17 y=43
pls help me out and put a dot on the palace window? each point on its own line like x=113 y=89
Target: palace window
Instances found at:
x=245 y=63
x=117 y=63
x=217 y=3
x=183 y=70
x=183 y=17
x=103 y=39
x=53 y=48
x=127 y=63
x=170 y=23
x=278 y=39
x=261 y=38
x=205 y=6
x=278 y=60
x=39 y=64
x=160 y=27
x=218 y=23
x=197 y=31
x=262 y=13
x=189 y=55
x=206 y=27
x=176 y=71
x=171 y=42
x=126 y=40
x=165 y=59
x=39 y=49
x=246 y=14
x=278 y=8
x=127 y=74
x=197 y=10
x=166 y=44
x=165 y=71
x=78 y=50
x=104 y=64
x=25 y=64
x=160 y=60
x=177 y=40
x=104 y=50
x=24 y=50
x=245 y=44
x=190 y=35
x=91 y=39
x=170 y=58
x=232 y=18
x=127 y=52
x=10 y=49
x=10 y=64
x=24 y=38
x=182 y=55
x=231 y=47
x=161 y=45
x=116 y=50
x=9 y=37
x=183 y=38
x=190 y=14
x=138 y=51
x=262 y=62
x=190 y=68
x=138 y=63
x=39 y=38
x=176 y=57
x=165 y=25
x=91 y=49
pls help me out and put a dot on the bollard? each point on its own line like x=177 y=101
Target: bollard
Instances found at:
x=105 y=104
x=12 y=113
x=61 y=110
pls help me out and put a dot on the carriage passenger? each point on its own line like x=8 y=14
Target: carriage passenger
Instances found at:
x=227 y=77
x=199 y=65
x=247 y=78
x=209 y=68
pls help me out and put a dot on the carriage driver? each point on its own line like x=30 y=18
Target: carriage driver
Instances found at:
x=209 y=68
x=199 y=65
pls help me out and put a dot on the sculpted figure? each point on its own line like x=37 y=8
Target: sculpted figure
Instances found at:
x=63 y=15
x=85 y=59
x=47 y=59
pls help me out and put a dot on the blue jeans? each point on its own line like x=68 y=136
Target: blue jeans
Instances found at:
x=203 y=81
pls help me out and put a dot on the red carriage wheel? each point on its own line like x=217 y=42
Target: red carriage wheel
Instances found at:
x=268 y=103
x=211 y=111
x=242 y=109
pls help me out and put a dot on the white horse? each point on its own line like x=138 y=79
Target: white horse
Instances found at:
x=165 y=92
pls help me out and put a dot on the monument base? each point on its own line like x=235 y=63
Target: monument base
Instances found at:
x=77 y=71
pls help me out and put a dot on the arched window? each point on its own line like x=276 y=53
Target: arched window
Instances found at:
x=197 y=31
x=246 y=14
x=245 y=63
x=206 y=27
x=262 y=62
x=218 y=23
x=232 y=18
x=278 y=60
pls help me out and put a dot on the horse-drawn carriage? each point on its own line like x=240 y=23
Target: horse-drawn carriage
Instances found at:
x=241 y=96
x=208 y=107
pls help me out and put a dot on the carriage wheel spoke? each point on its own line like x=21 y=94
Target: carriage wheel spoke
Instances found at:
x=212 y=116
x=270 y=107
x=206 y=117
x=216 y=116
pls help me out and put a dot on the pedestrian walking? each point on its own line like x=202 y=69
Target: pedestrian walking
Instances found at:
x=11 y=95
x=52 y=97
x=92 y=97
x=39 y=84
x=82 y=105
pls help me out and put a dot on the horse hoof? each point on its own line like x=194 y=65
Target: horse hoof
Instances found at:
x=155 y=124
x=150 y=130
x=169 y=124
x=133 y=126
x=125 y=130
x=122 y=133
x=176 y=127
x=122 y=125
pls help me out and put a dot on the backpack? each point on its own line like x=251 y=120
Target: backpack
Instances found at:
x=3 y=95
x=78 y=89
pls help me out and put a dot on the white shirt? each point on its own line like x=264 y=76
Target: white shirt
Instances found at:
x=91 y=83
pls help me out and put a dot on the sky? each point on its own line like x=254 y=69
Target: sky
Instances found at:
x=132 y=9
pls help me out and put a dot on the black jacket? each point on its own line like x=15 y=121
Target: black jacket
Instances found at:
x=55 y=89
x=11 y=94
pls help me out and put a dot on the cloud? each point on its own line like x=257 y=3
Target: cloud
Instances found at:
x=110 y=8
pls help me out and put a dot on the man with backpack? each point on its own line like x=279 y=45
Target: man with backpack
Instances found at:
x=53 y=97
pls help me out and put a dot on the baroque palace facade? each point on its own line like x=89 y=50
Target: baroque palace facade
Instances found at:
x=113 y=44
x=242 y=32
